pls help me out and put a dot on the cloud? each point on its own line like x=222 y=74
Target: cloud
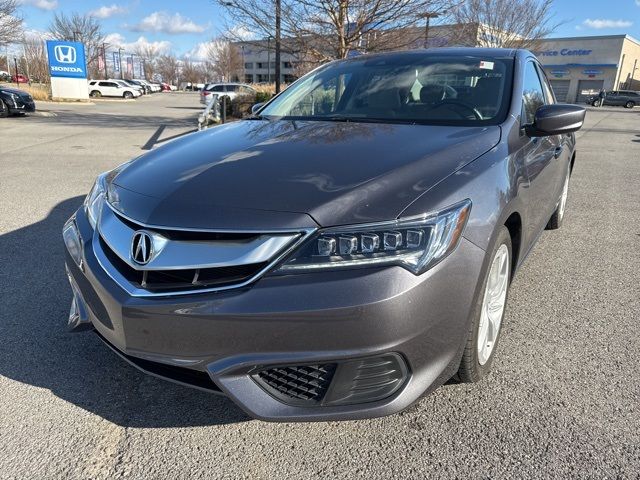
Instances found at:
x=108 y=11
x=606 y=23
x=118 y=40
x=200 y=52
x=41 y=4
x=166 y=23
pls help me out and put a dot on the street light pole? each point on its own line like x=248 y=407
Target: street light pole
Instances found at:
x=278 y=46
x=120 y=49
x=15 y=63
x=269 y=59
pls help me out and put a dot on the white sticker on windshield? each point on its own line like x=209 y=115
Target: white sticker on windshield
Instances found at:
x=486 y=65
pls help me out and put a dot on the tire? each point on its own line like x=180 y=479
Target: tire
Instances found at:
x=476 y=362
x=95 y=94
x=127 y=95
x=629 y=104
x=555 y=222
x=4 y=109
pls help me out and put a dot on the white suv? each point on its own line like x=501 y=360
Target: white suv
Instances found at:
x=229 y=90
x=111 y=88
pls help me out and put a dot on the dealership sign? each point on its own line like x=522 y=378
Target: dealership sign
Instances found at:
x=565 y=52
x=66 y=59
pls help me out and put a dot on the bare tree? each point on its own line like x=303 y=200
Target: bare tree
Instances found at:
x=82 y=28
x=169 y=68
x=10 y=22
x=190 y=71
x=149 y=54
x=224 y=61
x=35 y=56
x=505 y=23
x=331 y=29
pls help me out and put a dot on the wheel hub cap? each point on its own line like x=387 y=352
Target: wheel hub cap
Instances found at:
x=495 y=296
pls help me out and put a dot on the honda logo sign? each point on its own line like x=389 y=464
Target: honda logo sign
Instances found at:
x=65 y=53
x=66 y=59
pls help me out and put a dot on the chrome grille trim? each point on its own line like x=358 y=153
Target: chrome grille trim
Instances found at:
x=301 y=234
x=180 y=255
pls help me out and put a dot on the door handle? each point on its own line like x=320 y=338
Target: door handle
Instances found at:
x=558 y=151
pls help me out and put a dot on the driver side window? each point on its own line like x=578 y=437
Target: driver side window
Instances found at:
x=532 y=94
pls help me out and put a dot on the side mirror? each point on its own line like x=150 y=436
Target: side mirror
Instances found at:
x=556 y=119
x=257 y=107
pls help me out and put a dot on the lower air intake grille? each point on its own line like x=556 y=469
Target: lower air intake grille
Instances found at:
x=302 y=384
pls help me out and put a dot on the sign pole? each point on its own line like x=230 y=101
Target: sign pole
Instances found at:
x=15 y=62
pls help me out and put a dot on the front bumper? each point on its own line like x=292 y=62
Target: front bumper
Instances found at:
x=329 y=317
x=22 y=106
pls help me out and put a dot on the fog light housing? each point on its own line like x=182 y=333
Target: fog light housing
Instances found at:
x=348 y=382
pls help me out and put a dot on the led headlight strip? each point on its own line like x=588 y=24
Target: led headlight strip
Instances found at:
x=416 y=243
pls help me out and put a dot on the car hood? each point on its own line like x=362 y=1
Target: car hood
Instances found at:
x=260 y=173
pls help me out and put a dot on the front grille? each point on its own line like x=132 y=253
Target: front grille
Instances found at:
x=301 y=384
x=166 y=281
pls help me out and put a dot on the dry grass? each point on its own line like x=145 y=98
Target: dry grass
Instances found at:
x=38 y=92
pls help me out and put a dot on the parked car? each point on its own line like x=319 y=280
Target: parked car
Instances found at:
x=165 y=87
x=106 y=88
x=344 y=250
x=618 y=98
x=5 y=76
x=19 y=78
x=229 y=90
x=15 y=102
x=126 y=84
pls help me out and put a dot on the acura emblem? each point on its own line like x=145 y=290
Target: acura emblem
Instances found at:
x=141 y=247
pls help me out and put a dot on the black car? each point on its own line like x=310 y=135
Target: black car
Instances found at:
x=617 y=98
x=15 y=102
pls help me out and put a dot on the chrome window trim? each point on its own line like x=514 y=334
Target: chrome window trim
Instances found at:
x=122 y=282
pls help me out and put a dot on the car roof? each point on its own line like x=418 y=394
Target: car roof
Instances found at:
x=440 y=52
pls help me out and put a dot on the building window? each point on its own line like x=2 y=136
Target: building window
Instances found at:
x=287 y=65
x=273 y=64
x=260 y=65
x=248 y=65
x=248 y=78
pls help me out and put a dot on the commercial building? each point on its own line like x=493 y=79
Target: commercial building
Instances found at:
x=581 y=66
x=258 y=58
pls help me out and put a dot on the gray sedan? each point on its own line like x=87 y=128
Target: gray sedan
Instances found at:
x=343 y=251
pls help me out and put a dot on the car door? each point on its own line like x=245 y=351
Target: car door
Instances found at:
x=612 y=98
x=541 y=155
x=106 y=89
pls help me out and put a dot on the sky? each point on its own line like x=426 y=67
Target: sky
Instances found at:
x=185 y=27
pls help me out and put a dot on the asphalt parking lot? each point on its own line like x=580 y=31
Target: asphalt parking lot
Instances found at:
x=563 y=400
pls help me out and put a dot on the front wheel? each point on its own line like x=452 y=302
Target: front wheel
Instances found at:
x=128 y=95
x=630 y=104
x=95 y=94
x=489 y=312
x=596 y=103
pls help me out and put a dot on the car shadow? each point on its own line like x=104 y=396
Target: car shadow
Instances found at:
x=37 y=350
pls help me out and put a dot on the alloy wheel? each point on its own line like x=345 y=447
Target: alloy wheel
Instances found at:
x=495 y=298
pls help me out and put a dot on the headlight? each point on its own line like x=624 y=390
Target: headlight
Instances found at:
x=95 y=200
x=415 y=243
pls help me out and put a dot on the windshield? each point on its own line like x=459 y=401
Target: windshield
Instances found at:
x=410 y=88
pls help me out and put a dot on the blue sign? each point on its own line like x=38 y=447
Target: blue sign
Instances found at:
x=66 y=59
x=116 y=61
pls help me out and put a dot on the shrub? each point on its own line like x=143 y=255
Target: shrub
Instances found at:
x=262 y=97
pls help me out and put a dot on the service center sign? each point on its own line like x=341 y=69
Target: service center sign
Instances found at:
x=66 y=59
